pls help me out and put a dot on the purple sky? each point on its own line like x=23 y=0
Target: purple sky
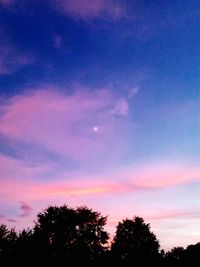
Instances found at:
x=99 y=106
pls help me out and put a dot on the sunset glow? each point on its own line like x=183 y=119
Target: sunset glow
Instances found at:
x=99 y=106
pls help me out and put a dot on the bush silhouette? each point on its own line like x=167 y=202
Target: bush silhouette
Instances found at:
x=134 y=242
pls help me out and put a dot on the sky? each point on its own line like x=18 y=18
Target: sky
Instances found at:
x=99 y=106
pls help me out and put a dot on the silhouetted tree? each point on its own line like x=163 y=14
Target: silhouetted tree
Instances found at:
x=64 y=236
x=179 y=256
x=8 y=240
x=3 y=240
x=134 y=242
x=72 y=234
x=25 y=247
x=192 y=255
x=175 y=257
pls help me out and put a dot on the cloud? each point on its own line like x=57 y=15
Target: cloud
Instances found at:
x=70 y=118
x=133 y=92
x=11 y=59
x=84 y=10
x=121 y=108
x=174 y=214
x=2 y=217
x=26 y=210
x=68 y=188
x=57 y=41
x=96 y=9
x=12 y=220
x=116 y=193
x=17 y=169
x=19 y=182
x=163 y=215
x=83 y=165
x=164 y=174
x=7 y=2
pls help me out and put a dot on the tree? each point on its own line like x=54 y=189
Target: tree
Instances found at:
x=134 y=242
x=25 y=246
x=72 y=234
x=8 y=240
x=192 y=255
x=175 y=257
x=3 y=240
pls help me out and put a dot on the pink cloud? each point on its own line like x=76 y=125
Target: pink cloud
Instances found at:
x=164 y=174
x=34 y=190
x=12 y=220
x=29 y=118
x=22 y=182
x=19 y=182
x=2 y=217
x=120 y=194
x=161 y=215
x=87 y=9
x=174 y=214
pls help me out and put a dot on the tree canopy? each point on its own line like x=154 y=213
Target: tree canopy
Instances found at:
x=70 y=236
x=67 y=232
x=134 y=240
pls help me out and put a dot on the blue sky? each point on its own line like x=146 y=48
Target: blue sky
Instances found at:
x=99 y=105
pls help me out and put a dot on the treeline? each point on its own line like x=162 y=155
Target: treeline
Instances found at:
x=64 y=236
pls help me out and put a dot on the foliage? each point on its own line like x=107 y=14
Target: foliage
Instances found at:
x=66 y=232
x=8 y=239
x=134 y=241
x=67 y=236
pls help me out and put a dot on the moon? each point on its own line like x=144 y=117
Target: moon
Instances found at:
x=96 y=128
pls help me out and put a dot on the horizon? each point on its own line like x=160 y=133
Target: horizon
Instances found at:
x=99 y=106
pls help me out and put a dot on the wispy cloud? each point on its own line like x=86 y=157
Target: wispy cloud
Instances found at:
x=11 y=59
x=84 y=10
x=7 y=2
x=69 y=186
x=177 y=213
x=164 y=174
x=96 y=9
x=12 y=220
x=85 y=129
x=71 y=118
x=133 y=92
x=120 y=108
x=57 y=41
x=120 y=193
x=25 y=183
x=4 y=219
x=26 y=210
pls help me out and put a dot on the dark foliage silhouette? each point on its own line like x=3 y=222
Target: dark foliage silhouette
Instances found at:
x=192 y=255
x=175 y=257
x=8 y=239
x=179 y=256
x=65 y=236
x=25 y=247
x=64 y=233
x=134 y=242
